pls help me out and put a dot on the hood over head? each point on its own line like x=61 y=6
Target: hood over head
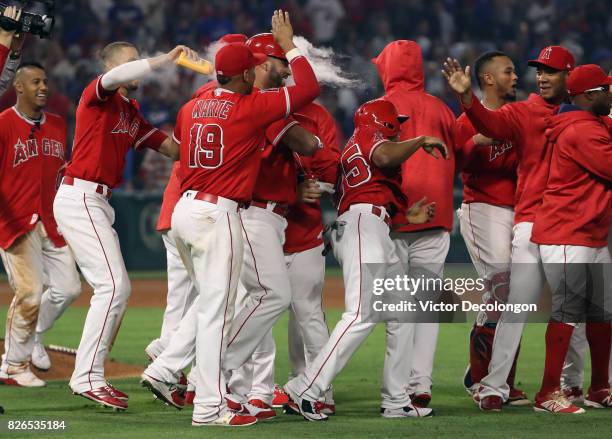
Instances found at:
x=401 y=62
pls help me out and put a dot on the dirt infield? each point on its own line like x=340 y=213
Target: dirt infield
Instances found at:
x=151 y=293
x=63 y=365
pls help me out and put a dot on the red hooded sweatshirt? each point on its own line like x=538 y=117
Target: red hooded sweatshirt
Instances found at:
x=400 y=66
x=577 y=204
x=524 y=124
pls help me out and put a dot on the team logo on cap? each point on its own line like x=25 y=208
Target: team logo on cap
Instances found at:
x=547 y=52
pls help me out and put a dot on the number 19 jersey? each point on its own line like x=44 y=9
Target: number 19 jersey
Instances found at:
x=361 y=181
x=222 y=135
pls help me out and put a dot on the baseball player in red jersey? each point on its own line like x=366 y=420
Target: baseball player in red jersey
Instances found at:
x=107 y=125
x=32 y=154
x=486 y=216
x=572 y=245
x=400 y=66
x=220 y=156
x=181 y=291
x=369 y=194
x=305 y=269
x=573 y=369
x=524 y=124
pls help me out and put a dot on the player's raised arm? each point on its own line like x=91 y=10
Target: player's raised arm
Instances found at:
x=6 y=36
x=124 y=67
x=306 y=87
x=497 y=124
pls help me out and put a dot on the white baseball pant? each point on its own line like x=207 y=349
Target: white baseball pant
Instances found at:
x=410 y=353
x=265 y=279
x=32 y=263
x=181 y=294
x=487 y=232
x=306 y=273
x=527 y=280
x=255 y=379
x=210 y=243
x=364 y=239
x=267 y=295
x=86 y=219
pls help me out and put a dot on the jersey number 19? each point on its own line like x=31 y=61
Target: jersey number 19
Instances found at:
x=205 y=146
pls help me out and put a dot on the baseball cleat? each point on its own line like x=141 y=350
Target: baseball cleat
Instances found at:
x=573 y=394
x=259 y=409
x=20 y=378
x=325 y=408
x=555 y=402
x=280 y=397
x=409 y=411
x=189 y=396
x=306 y=407
x=102 y=396
x=167 y=392
x=491 y=403
x=517 y=398
x=40 y=359
x=600 y=399
x=233 y=405
x=116 y=393
x=420 y=400
x=230 y=419
x=291 y=408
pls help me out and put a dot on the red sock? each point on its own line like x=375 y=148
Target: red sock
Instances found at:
x=481 y=346
x=598 y=336
x=557 y=342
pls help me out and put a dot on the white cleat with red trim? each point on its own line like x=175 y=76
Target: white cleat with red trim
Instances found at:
x=20 y=377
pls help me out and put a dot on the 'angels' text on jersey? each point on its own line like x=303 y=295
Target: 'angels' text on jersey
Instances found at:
x=125 y=126
x=31 y=148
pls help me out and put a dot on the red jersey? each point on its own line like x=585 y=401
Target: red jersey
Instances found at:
x=488 y=173
x=277 y=177
x=524 y=124
x=31 y=159
x=400 y=66
x=577 y=204
x=305 y=221
x=364 y=182
x=172 y=194
x=223 y=133
x=107 y=125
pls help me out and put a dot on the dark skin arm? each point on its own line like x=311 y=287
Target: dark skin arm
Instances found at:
x=392 y=154
x=300 y=140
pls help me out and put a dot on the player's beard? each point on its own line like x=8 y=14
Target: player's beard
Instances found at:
x=275 y=79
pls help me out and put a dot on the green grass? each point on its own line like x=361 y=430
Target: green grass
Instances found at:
x=357 y=395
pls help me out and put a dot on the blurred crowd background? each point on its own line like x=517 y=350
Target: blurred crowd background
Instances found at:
x=357 y=30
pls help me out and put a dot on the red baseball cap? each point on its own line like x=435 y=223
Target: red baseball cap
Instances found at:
x=234 y=58
x=555 y=57
x=233 y=38
x=586 y=77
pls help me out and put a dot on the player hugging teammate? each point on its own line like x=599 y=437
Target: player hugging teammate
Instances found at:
x=242 y=224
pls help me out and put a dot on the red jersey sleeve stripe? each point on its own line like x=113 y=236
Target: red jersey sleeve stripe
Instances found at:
x=101 y=93
x=280 y=135
x=145 y=137
x=288 y=101
x=175 y=139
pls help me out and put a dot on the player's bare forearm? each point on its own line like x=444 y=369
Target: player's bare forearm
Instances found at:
x=170 y=148
x=393 y=154
x=300 y=140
